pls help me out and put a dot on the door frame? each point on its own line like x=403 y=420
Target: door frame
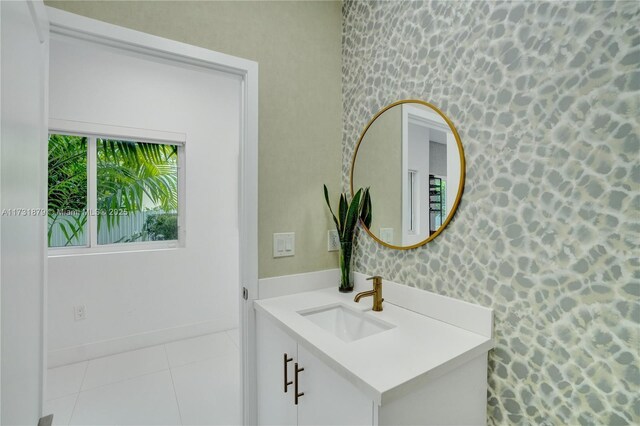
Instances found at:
x=80 y=27
x=38 y=16
x=418 y=116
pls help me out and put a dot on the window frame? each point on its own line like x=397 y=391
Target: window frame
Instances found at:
x=93 y=132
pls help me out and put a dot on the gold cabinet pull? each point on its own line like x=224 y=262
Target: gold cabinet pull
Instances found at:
x=287 y=382
x=298 y=394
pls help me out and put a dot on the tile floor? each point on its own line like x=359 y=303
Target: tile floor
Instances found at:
x=187 y=382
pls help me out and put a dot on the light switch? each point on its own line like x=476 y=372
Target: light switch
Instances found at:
x=284 y=244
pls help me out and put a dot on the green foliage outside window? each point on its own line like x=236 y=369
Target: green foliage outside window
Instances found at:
x=162 y=227
x=67 y=194
x=135 y=183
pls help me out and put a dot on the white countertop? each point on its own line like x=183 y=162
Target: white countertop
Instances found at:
x=385 y=365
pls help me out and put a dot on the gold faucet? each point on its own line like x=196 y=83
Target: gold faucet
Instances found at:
x=376 y=293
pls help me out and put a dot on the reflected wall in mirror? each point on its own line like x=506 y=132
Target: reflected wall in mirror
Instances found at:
x=411 y=158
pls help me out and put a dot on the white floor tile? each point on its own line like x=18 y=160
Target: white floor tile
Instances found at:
x=127 y=365
x=61 y=408
x=65 y=380
x=209 y=391
x=200 y=348
x=235 y=336
x=144 y=400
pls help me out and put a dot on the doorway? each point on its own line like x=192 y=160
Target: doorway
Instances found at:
x=128 y=315
x=429 y=155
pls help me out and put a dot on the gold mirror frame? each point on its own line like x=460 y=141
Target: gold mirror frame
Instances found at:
x=454 y=208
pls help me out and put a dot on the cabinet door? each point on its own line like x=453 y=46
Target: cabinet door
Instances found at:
x=275 y=407
x=328 y=398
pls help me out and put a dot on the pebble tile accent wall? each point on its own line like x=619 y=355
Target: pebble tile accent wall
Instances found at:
x=546 y=97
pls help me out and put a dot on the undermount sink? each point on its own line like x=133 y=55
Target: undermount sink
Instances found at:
x=345 y=323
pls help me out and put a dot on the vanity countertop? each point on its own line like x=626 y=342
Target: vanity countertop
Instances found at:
x=385 y=365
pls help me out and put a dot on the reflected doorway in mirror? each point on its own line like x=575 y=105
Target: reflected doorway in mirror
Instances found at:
x=411 y=157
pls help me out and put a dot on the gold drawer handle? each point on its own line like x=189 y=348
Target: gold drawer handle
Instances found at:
x=286 y=381
x=298 y=395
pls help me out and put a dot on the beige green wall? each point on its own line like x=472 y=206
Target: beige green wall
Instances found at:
x=298 y=48
x=378 y=166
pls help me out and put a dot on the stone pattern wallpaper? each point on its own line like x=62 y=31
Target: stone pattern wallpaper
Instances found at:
x=546 y=97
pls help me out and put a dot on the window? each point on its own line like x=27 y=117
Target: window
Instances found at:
x=67 y=194
x=111 y=192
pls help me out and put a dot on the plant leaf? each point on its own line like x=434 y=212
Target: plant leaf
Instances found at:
x=342 y=212
x=366 y=214
x=326 y=198
x=353 y=214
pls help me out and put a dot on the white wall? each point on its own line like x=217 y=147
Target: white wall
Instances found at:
x=140 y=298
x=22 y=259
x=419 y=161
x=453 y=171
x=420 y=125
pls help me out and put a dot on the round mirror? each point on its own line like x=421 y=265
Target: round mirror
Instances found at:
x=411 y=159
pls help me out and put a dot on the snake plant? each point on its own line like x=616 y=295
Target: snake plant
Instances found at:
x=348 y=215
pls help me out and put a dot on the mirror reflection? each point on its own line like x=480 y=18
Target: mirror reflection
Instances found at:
x=411 y=158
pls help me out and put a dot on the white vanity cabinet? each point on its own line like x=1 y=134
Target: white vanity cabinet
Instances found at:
x=274 y=349
x=328 y=398
x=417 y=370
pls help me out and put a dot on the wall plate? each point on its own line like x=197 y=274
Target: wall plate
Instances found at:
x=80 y=312
x=333 y=240
x=284 y=244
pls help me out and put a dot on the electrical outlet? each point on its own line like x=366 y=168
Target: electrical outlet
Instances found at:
x=80 y=312
x=333 y=241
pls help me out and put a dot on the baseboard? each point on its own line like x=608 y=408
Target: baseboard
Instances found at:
x=94 y=350
x=297 y=283
x=267 y=287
